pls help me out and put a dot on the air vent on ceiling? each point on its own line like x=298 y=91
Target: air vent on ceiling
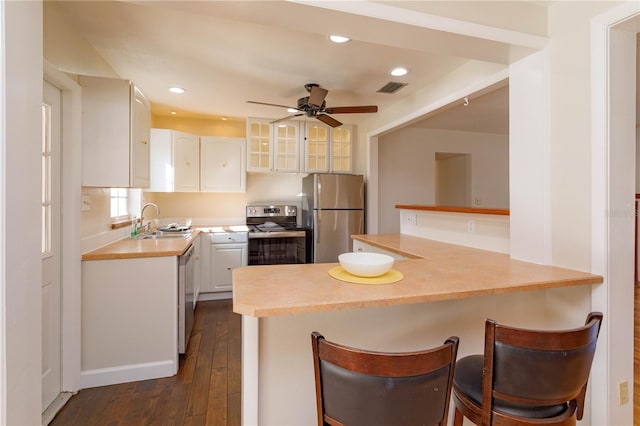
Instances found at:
x=391 y=87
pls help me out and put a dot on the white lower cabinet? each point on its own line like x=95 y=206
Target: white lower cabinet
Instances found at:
x=227 y=251
x=129 y=320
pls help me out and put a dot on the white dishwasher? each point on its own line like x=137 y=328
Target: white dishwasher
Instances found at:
x=186 y=276
x=228 y=251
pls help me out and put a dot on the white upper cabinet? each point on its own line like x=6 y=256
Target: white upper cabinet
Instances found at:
x=222 y=167
x=316 y=147
x=115 y=133
x=286 y=140
x=186 y=150
x=273 y=147
x=328 y=149
x=259 y=146
x=295 y=146
x=175 y=161
x=342 y=149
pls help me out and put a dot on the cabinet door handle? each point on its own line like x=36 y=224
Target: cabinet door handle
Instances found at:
x=228 y=268
x=144 y=142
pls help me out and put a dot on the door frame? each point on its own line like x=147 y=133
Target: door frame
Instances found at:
x=611 y=215
x=71 y=225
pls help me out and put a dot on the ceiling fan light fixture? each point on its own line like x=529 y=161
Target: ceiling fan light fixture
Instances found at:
x=176 y=89
x=398 y=72
x=338 y=38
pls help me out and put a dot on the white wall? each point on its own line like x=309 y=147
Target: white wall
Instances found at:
x=20 y=233
x=223 y=208
x=482 y=231
x=406 y=169
x=570 y=131
x=66 y=50
x=469 y=78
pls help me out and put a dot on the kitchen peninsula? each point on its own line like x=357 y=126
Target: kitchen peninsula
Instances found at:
x=446 y=290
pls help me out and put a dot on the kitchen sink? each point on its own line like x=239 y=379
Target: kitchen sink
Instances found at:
x=156 y=235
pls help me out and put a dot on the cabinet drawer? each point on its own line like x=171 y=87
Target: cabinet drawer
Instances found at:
x=230 y=237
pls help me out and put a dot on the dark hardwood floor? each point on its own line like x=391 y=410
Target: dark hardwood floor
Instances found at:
x=206 y=390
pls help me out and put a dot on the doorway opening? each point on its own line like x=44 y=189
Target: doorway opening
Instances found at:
x=453 y=179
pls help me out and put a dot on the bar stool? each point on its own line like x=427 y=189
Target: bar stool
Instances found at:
x=531 y=377
x=359 y=387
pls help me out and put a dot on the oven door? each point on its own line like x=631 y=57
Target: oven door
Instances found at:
x=277 y=248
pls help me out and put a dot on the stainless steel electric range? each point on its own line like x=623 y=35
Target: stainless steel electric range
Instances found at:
x=275 y=236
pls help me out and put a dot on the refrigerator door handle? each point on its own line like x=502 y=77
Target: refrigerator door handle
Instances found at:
x=318 y=216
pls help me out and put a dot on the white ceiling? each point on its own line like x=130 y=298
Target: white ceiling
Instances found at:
x=227 y=52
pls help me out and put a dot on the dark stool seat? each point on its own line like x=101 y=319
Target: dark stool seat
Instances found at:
x=358 y=387
x=468 y=380
x=526 y=377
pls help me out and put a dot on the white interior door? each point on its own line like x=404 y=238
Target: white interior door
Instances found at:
x=51 y=254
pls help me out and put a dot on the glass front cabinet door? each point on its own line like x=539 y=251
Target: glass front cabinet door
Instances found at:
x=286 y=136
x=260 y=146
x=342 y=149
x=317 y=147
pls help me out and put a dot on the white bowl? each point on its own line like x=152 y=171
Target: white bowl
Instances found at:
x=365 y=264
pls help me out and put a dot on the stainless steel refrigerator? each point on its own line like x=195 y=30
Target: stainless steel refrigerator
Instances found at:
x=333 y=208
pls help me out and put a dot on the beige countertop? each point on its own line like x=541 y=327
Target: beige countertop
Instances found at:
x=130 y=248
x=436 y=271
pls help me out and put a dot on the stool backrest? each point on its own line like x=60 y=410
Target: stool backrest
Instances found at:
x=358 y=387
x=538 y=368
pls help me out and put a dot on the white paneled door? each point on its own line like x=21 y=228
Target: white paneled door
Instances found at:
x=51 y=254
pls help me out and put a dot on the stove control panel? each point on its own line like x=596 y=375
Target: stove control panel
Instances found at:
x=272 y=211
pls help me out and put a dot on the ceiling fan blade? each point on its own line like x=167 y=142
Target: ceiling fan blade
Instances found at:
x=275 y=105
x=326 y=119
x=285 y=118
x=351 y=109
x=317 y=95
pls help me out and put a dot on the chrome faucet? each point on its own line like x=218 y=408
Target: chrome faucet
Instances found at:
x=144 y=228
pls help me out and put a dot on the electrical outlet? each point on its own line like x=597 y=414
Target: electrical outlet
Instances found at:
x=86 y=203
x=623 y=393
x=471 y=226
x=410 y=219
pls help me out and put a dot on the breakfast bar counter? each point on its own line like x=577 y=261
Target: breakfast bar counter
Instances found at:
x=438 y=271
x=446 y=290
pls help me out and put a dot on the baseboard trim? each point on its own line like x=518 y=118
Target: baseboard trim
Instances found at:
x=127 y=373
x=57 y=405
x=215 y=296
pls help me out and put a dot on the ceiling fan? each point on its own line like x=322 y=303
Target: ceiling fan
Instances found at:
x=314 y=106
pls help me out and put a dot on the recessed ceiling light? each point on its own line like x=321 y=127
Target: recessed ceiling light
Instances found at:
x=173 y=113
x=176 y=90
x=338 y=38
x=224 y=118
x=292 y=110
x=398 y=72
